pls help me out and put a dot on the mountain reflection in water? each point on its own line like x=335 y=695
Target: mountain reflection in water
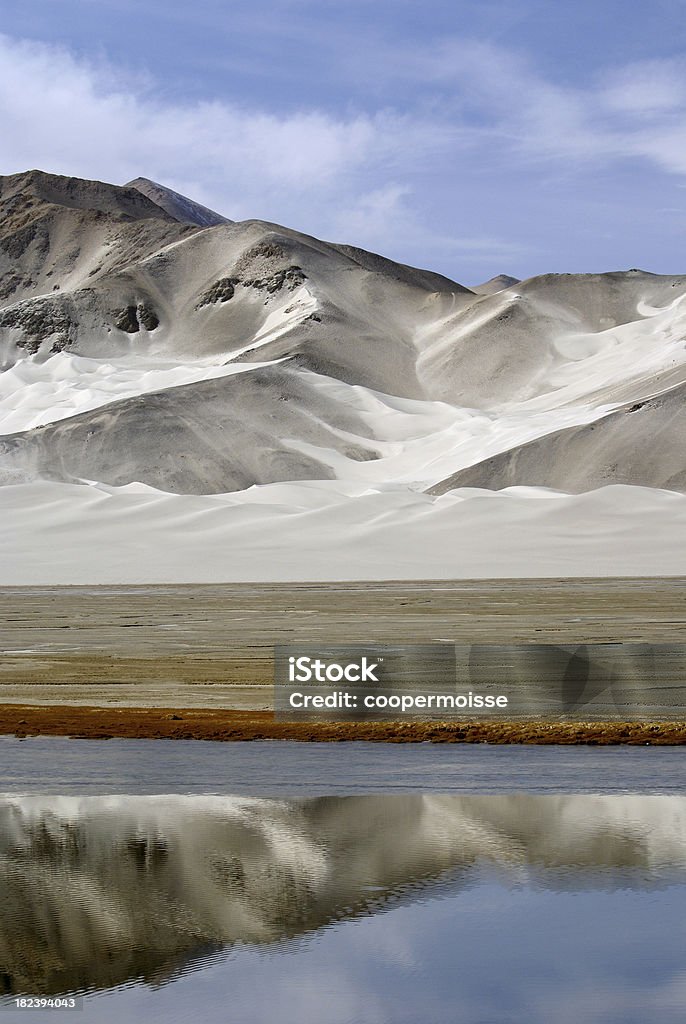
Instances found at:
x=102 y=891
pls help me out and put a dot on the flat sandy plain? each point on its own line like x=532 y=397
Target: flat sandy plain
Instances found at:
x=210 y=647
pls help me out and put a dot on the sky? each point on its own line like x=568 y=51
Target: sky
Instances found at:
x=471 y=137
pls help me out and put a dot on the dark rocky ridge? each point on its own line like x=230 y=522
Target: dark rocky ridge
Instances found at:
x=185 y=210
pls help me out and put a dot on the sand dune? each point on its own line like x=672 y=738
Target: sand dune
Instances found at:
x=55 y=533
x=551 y=332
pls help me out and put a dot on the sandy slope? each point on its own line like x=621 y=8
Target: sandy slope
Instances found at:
x=33 y=393
x=639 y=442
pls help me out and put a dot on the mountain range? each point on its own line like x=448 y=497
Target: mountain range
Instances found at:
x=151 y=348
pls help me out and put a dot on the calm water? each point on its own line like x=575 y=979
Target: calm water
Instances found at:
x=270 y=768
x=332 y=898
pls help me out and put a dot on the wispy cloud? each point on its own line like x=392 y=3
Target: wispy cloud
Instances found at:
x=649 y=87
x=372 y=215
x=499 y=97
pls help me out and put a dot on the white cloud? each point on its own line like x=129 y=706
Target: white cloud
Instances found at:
x=369 y=214
x=632 y=112
x=65 y=114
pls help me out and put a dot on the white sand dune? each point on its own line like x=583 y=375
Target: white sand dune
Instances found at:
x=34 y=393
x=55 y=533
x=183 y=397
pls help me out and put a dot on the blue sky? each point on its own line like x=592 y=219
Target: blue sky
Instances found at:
x=470 y=137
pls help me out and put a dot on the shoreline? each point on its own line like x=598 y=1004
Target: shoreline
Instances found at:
x=90 y=722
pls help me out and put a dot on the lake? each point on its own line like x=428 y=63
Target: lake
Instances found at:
x=342 y=884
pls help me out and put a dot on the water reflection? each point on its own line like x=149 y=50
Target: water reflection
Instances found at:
x=101 y=891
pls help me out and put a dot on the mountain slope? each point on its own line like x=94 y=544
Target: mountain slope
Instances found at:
x=247 y=371
x=214 y=436
x=495 y=284
x=58 y=234
x=234 y=290
x=641 y=443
